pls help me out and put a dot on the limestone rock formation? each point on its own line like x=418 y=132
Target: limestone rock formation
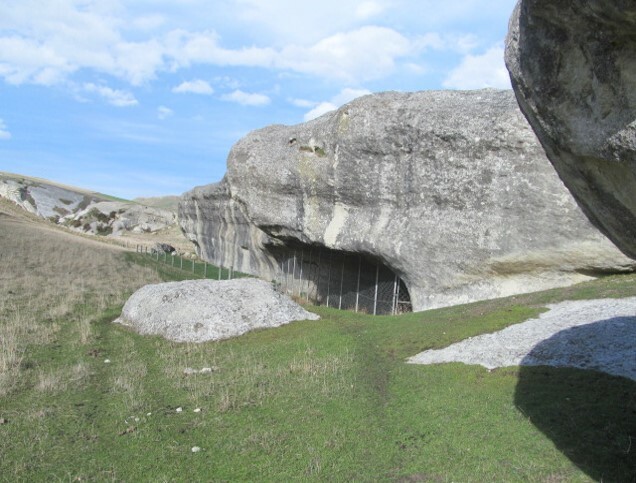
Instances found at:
x=202 y=310
x=116 y=217
x=82 y=210
x=448 y=190
x=573 y=69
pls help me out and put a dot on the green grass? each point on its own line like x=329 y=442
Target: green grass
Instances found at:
x=330 y=400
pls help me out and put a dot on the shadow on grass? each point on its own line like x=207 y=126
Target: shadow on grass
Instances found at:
x=590 y=416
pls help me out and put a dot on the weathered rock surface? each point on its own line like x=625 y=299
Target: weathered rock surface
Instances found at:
x=116 y=217
x=202 y=310
x=573 y=69
x=451 y=190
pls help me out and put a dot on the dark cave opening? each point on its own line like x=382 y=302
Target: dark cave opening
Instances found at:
x=343 y=280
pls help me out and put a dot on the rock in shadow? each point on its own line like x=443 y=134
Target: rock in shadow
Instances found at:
x=589 y=415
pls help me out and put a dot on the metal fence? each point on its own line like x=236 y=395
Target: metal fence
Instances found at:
x=341 y=280
x=201 y=269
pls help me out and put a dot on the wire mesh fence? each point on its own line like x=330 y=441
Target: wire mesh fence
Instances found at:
x=318 y=275
x=195 y=269
x=341 y=280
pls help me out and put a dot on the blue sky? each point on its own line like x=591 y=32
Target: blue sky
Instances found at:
x=146 y=98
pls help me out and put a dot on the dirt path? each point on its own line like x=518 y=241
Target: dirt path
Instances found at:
x=586 y=334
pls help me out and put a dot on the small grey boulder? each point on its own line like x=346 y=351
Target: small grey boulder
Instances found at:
x=203 y=310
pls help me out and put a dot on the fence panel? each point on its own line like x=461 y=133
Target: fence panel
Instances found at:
x=342 y=280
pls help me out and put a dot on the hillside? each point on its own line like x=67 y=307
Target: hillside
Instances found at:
x=92 y=213
x=170 y=203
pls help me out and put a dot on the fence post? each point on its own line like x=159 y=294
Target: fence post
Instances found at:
x=397 y=298
x=205 y=270
x=181 y=261
x=229 y=273
x=317 y=274
x=394 y=301
x=341 y=281
x=193 y=265
x=282 y=276
x=289 y=272
x=165 y=257
x=375 y=298
x=309 y=273
x=294 y=274
x=172 y=260
x=302 y=259
x=220 y=270
x=329 y=277
x=358 y=284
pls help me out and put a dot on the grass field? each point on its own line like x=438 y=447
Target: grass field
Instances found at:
x=330 y=400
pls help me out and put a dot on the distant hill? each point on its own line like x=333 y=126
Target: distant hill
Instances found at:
x=83 y=210
x=164 y=202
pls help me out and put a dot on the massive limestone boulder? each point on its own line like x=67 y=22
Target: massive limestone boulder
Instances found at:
x=449 y=190
x=203 y=310
x=573 y=69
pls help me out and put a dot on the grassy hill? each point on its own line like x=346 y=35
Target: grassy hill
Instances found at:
x=170 y=203
x=82 y=399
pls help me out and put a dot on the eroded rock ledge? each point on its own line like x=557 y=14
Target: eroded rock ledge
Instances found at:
x=449 y=189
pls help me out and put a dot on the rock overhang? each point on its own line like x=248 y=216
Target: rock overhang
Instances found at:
x=444 y=188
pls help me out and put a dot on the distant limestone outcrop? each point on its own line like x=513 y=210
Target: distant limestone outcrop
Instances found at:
x=449 y=190
x=573 y=69
x=82 y=210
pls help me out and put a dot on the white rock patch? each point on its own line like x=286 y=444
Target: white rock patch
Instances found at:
x=202 y=310
x=588 y=334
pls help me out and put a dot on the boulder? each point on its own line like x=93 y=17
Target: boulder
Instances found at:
x=162 y=248
x=203 y=310
x=448 y=190
x=573 y=70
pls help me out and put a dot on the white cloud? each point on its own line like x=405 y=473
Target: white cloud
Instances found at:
x=164 y=112
x=23 y=60
x=196 y=86
x=186 y=48
x=362 y=54
x=148 y=22
x=113 y=96
x=284 y=22
x=48 y=42
x=319 y=110
x=369 y=9
x=478 y=71
x=461 y=43
x=4 y=131
x=344 y=96
x=302 y=103
x=357 y=55
x=246 y=99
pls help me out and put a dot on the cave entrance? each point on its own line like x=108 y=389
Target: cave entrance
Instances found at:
x=340 y=279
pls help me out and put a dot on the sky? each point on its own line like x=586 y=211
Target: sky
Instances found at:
x=146 y=97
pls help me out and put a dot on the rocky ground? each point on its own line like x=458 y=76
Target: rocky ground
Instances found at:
x=589 y=334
